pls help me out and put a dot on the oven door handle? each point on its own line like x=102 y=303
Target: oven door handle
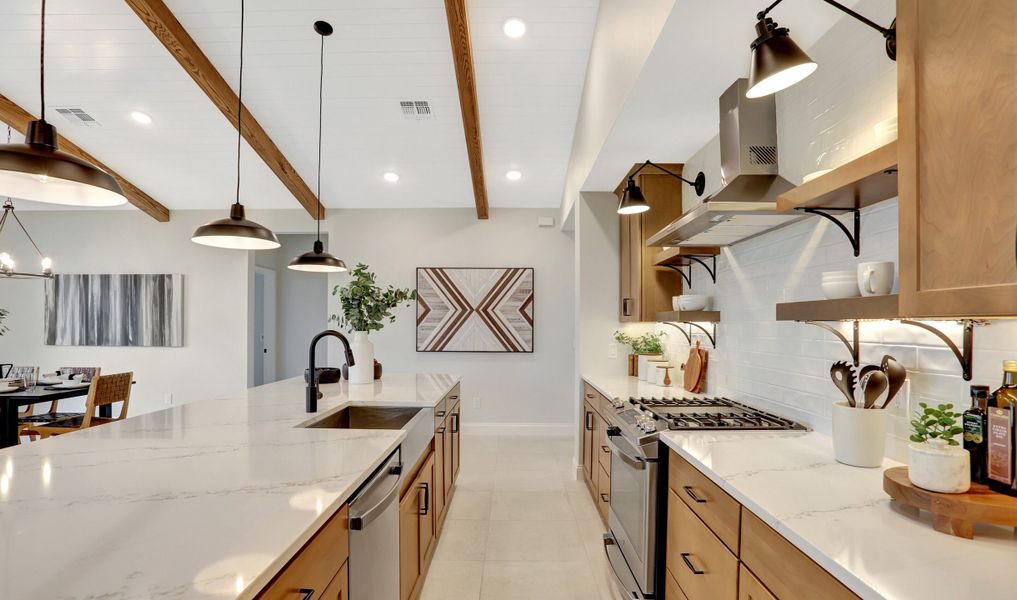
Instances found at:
x=633 y=459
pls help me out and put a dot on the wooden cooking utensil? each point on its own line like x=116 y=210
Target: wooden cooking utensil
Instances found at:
x=843 y=377
x=873 y=385
x=896 y=374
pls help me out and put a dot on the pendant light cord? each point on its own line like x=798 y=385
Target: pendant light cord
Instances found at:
x=42 y=62
x=240 y=98
x=321 y=87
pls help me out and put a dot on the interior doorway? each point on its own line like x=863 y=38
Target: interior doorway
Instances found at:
x=264 y=338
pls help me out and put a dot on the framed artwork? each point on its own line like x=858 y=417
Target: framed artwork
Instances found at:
x=114 y=310
x=474 y=309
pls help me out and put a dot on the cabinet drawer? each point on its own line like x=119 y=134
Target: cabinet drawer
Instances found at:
x=703 y=566
x=671 y=589
x=713 y=505
x=452 y=398
x=784 y=569
x=749 y=588
x=440 y=412
x=317 y=563
x=603 y=498
x=601 y=449
x=339 y=589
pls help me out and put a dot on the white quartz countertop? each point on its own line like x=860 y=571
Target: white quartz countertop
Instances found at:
x=839 y=515
x=203 y=500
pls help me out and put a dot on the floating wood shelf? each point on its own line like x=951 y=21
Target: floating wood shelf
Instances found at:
x=954 y=514
x=679 y=256
x=866 y=180
x=687 y=316
x=865 y=308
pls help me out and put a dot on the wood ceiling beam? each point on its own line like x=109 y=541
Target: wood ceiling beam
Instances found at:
x=158 y=18
x=19 y=118
x=462 y=56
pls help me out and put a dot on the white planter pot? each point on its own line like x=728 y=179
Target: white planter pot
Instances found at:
x=362 y=370
x=939 y=467
x=859 y=435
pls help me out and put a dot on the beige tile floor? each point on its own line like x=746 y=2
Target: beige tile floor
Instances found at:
x=520 y=526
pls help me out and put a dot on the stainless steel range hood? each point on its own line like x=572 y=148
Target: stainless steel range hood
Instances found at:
x=746 y=205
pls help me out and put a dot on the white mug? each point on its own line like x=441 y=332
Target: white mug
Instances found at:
x=875 y=278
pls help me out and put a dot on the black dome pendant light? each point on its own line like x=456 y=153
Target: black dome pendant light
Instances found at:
x=37 y=170
x=236 y=232
x=632 y=200
x=319 y=261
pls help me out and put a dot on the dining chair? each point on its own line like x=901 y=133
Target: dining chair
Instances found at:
x=27 y=423
x=105 y=389
x=5 y=368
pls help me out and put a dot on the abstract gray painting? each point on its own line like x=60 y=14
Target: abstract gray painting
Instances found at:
x=115 y=310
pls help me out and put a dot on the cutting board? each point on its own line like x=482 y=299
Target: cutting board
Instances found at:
x=695 y=370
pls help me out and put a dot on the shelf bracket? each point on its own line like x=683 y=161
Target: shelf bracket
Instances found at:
x=683 y=332
x=853 y=346
x=855 y=238
x=712 y=270
x=688 y=334
x=966 y=356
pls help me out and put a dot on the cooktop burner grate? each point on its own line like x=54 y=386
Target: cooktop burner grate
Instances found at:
x=712 y=413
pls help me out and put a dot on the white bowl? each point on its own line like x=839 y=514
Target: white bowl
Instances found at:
x=840 y=289
x=692 y=302
x=675 y=303
x=852 y=274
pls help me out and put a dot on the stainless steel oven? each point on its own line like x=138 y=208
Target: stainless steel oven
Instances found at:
x=631 y=542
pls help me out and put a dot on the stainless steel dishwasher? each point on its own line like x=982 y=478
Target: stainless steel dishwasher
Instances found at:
x=374 y=534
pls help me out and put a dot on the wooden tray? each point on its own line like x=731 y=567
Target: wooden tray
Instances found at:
x=955 y=514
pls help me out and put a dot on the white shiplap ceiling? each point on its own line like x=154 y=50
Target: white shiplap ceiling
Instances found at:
x=100 y=57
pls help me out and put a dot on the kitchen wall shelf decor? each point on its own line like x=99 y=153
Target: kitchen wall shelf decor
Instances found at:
x=683 y=257
x=864 y=181
x=474 y=309
x=712 y=336
x=114 y=310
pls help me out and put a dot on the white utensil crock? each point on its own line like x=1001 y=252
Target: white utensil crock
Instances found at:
x=362 y=370
x=644 y=364
x=859 y=435
x=875 y=278
x=939 y=467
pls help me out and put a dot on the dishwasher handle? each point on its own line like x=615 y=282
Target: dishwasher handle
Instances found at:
x=364 y=519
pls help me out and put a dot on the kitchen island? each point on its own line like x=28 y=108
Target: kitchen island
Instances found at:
x=836 y=515
x=204 y=500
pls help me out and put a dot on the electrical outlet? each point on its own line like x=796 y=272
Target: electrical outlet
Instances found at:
x=168 y=398
x=612 y=350
x=476 y=402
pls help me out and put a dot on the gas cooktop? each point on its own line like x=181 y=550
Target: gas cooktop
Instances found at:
x=655 y=414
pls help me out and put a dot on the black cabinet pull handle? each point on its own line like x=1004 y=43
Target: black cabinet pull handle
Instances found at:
x=625 y=307
x=427 y=498
x=691 y=494
x=440 y=413
x=605 y=449
x=589 y=421
x=590 y=396
x=307 y=592
x=440 y=430
x=455 y=422
x=605 y=498
x=453 y=397
x=688 y=563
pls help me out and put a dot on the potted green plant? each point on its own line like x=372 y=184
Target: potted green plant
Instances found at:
x=3 y=318
x=364 y=307
x=643 y=348
x=936 y=461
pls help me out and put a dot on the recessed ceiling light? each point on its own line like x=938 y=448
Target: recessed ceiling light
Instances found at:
x=141 y=117
x=514 y=28
x=391 y=177
x=513 y=175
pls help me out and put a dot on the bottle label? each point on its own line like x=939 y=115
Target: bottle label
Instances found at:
x=973 y=434
x=1000 y=444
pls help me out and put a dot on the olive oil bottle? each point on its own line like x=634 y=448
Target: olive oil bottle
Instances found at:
x=974 y=423
x=1001 y=432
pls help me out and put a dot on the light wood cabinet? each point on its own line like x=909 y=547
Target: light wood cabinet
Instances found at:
x=957 y=155
x=720 y=512
x=603 y=497
x=425 y=522
x=409 y=543
x=440 y=501
x=317 y=564
x=750 y=588
x=589 y=438
x=456 y=440
x=645 y=289
x=339 y=589
x=701 y=564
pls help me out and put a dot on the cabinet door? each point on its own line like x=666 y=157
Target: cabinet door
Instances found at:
x=703 y=566
x=956 y=83
x=588 y=440
x=425 y=522
x=316 y=564
x=339 y=589
x=456 y=445
x=629 y=242
x=409 y=542
x=446 y=462
x=439 y=476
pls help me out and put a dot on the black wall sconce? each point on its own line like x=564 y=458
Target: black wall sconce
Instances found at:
x=632 y=199
x=778 y=62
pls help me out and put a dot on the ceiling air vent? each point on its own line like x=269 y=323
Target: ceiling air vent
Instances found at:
x=78 y=117
x=416 y=109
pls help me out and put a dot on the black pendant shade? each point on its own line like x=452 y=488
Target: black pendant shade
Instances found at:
x=777 y=61
x=317 y=260
x=236 y=232
x=37 y=170
x=632 y=200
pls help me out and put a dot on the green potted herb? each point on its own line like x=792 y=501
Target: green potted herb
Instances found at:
x=643 y=348
x=364 y=307
x=936 y=461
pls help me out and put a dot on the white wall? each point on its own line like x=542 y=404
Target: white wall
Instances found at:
x=511 y=388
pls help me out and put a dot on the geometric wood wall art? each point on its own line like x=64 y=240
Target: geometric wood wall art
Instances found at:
x=114 y=310
x=474 y=309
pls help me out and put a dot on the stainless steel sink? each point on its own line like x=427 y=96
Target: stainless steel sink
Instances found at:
x=367 y=417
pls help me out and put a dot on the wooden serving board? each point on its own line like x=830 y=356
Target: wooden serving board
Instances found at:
x=955 y=514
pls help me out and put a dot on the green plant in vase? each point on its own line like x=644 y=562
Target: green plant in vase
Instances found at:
x=648 y=343
x=935 y=460
x=364 y=306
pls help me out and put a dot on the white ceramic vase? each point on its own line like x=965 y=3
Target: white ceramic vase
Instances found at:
x=939 y=467
x=859 y=435
x=362 y=370
x=644 y=363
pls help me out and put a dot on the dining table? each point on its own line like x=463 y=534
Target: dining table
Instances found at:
x=11 y=403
